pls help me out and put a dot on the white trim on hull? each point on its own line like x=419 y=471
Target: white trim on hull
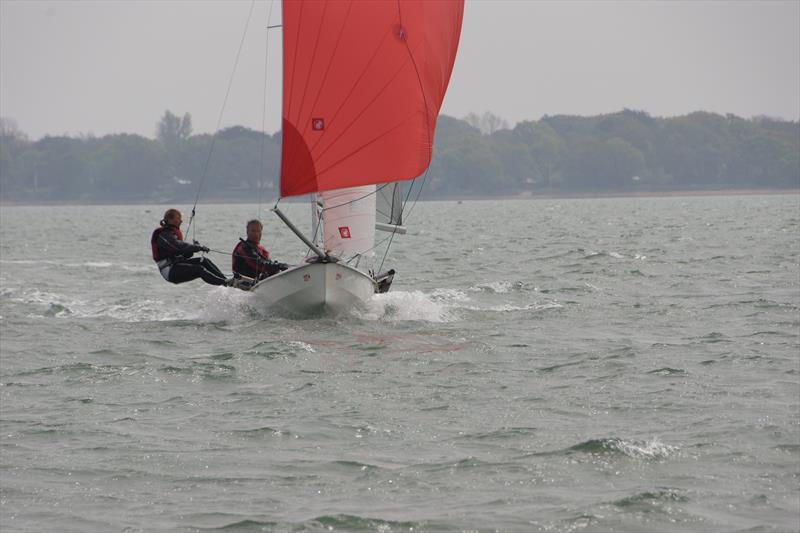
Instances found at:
x=315 y=287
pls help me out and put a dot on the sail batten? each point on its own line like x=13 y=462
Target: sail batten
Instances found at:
x=363 y=85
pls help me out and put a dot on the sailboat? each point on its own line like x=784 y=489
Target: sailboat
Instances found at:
x=363 y=82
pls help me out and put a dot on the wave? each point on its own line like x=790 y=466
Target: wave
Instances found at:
x=301 y=345
x=136 y=267
x=45 y=304
x=667 y=371
x=636 y=449
x=652 y=449
x=502 y=434
x=497 y=287
x=507 y=308
x=248 y=525
x=591 y=254
x=650 y=501
x=333 y=522
x=345 y=522
x=255 y=433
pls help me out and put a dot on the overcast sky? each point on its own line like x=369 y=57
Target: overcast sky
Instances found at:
x=99 y=67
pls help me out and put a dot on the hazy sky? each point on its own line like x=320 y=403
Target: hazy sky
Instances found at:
x=99 y=67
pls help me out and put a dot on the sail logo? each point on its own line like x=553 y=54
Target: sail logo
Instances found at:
x=344 y=231
x=317 y=124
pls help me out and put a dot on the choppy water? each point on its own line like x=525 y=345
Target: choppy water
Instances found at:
x=543 y=365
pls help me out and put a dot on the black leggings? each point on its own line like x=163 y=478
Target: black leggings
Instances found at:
x=196 y=267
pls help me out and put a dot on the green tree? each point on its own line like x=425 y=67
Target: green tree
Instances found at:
x=13 y=144
x=130 y=167
x=545 y=151
x=172 y=129
x=597 y=165
x=173 y=133
x=487 y=123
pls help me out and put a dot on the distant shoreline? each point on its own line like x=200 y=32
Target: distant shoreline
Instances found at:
x=521 y=196
x=639 y=194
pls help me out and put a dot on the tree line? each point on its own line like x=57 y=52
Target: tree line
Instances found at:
x=479 y=155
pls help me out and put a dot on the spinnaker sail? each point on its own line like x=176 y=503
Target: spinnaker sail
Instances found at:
x=363 y=82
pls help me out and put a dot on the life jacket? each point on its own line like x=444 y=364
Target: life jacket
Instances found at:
x=159 y=248
x=245 y=259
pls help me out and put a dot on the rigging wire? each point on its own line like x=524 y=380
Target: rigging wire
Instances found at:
x=219 y=119
x=403 y=213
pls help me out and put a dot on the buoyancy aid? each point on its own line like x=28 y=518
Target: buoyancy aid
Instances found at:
x=250 y=259
x=163 y=248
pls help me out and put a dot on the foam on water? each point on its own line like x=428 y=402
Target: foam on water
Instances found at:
x=137 y=267
x=497 y=287
x=222 y=304
x=649 y=449
x=301 y=345
x=51 y=304
x=398 y=306
x=96 y=264
x=507 y=308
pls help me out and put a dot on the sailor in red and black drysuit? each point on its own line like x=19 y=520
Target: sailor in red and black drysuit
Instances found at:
x=252 y=260
x=174 y=256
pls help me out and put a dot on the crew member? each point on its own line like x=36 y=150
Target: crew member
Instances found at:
x=250 y=259
x=174 y=256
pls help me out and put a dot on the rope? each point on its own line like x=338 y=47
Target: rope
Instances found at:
x=220 y=252
x=219 y=119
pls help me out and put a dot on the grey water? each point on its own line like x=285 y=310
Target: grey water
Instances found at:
x=555 y=365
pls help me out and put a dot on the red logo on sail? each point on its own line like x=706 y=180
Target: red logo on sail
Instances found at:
x=317 y=124
x=344 y=231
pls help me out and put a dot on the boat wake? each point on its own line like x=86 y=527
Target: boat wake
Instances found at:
x=224 y=305
x=399 y=306
x=448 y=305
x=220 y=305
x=45 y=304
x=82 y=266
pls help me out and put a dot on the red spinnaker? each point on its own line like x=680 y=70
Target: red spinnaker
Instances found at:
x=363 y=82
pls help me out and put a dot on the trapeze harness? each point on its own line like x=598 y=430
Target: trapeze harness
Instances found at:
x=165 y=246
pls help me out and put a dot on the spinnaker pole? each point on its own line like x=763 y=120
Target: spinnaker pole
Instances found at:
x=311 y=245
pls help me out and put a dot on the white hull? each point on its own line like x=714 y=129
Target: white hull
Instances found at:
x=315 y=287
